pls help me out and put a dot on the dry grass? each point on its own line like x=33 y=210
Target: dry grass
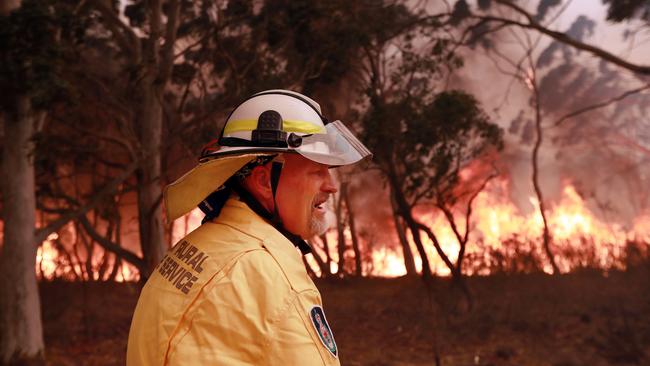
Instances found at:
x=578 y=319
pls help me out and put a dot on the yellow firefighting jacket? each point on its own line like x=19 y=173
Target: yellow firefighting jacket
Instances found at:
x=233 y=292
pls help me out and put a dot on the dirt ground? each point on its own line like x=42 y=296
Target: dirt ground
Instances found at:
x=585 y=318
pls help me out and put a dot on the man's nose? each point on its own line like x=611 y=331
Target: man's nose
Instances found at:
x=328 y=185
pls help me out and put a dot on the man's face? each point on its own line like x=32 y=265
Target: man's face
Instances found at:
x=302 y=191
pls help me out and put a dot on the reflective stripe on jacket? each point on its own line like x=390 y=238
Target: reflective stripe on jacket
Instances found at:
x=232 y=292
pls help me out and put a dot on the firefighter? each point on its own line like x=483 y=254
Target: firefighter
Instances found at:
x=235 y=291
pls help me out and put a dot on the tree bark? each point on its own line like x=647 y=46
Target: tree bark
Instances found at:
x=20 y=313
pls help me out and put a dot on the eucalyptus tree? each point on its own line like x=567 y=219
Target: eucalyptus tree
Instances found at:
x=421 y=146
x=34 y=48
x=422 y=134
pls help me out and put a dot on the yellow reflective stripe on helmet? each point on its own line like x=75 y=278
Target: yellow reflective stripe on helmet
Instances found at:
x=287 y=126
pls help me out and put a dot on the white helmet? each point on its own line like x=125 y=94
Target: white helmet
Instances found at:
x=286 y=121
x=269 y=122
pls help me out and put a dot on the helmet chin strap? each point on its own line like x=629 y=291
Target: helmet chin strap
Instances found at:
x=276 y=171
x=273 y=218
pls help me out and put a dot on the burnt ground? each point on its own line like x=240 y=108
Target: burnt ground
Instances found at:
x=579 y=319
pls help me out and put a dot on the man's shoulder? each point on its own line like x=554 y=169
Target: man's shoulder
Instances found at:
x=220 y=241
x=222 y=233
x=225 y=247
x=260 y=263
x=263 y=252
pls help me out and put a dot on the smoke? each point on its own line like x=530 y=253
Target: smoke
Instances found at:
x=604 y=153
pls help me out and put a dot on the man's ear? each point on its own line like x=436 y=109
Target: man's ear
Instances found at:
x=259 y=181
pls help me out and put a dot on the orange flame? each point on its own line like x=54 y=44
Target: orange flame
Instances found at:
x=51 y=262
x=573 y=228
x=495 y=220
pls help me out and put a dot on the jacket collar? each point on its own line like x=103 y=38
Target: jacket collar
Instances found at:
x=238 y=215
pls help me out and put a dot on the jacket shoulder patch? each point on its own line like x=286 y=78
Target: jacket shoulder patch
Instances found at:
x=323 y=329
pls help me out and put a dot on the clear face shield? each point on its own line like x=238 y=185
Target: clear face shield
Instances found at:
x=336 y=147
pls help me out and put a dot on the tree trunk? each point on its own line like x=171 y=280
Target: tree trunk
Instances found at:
x=404 y=211
x=152 y=238
x=340 y=228
x=409 y=261
x=415 y=230
x=155 y=65
x=319 y=261
x=353 y=233
x=20 y=312
x=538 y=191
x=117 y=262
x=328 y=256
x=457 y=269
x=310 y=271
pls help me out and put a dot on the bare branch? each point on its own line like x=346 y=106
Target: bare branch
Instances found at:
x=468 y=212
x=124 y=143
x=113 y=247
x=562 y=37
x=436 y=245
x=539 y=138
x=110 y=187
x=452 y=222
x=601 y=104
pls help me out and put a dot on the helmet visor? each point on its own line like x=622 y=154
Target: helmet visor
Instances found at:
x=337 y=146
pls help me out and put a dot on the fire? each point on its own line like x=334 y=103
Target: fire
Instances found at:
x=579 y=238
x=387 y=263
x=642 y=228
x=495 y=220
x=127 y=273
x=54 y=261
x=574 y=229
x=46 y=256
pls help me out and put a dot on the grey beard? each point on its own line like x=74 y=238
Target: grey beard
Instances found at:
x=319 y=226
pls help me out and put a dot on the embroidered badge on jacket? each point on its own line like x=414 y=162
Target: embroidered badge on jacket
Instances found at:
x=323 y=329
